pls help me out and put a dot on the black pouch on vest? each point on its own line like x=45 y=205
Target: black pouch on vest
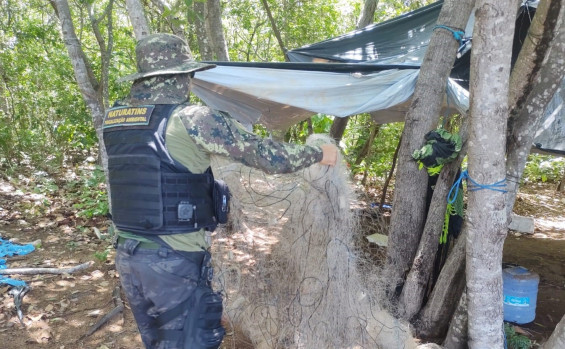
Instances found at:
x=221 y=195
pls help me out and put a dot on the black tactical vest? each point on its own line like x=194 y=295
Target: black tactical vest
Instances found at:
x=151 y=193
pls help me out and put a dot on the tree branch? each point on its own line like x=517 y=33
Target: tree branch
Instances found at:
x=36 y=271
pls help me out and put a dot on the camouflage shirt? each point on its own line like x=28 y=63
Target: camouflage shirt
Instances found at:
x=218 y=133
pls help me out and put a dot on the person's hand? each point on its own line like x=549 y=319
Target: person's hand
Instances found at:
x=330 y=154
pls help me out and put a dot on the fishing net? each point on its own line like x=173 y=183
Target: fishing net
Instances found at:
x=293 y=265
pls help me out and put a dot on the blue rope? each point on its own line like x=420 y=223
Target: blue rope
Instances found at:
x=9 y=249
x=457 y=34
x=472 y=185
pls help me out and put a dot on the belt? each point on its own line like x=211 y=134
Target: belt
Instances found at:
x=142 y=244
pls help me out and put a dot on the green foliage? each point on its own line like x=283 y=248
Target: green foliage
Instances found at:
x=101 y=255
x=320 y=123
x=379 y=162
x=89 y=193
x=544 y=168
x=44 y=115
x=516 y=340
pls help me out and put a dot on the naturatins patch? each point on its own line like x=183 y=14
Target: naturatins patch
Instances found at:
x=128 y=116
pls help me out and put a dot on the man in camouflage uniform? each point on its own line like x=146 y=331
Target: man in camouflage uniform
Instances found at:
x=159 y=269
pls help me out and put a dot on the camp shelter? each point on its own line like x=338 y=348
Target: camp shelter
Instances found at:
x=373 y=69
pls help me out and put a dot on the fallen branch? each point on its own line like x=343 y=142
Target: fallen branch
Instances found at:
x=118 y=309
x=34 y=271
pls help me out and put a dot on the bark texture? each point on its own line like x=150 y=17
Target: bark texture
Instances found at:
x=557 y=339
x=433 y=320
x=486 y=219
x=200 y=24
x=414 y=290
x=526 y=115
x=367 y=14
x=216 y=32
x=407 y=220
x=457 y=335
x=137 y=18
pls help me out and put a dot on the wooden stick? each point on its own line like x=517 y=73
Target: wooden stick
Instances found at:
x=118 y=309
x=34 y=271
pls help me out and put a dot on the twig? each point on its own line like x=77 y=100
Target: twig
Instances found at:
x=118 y=309
x=33 y=271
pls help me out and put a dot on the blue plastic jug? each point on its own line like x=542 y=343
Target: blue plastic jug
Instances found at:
x=520 y=292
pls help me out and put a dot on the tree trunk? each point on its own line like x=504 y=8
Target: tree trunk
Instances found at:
x=390 y=173
x=486 y=219
x=84 y=76
x=526 y=116
x=533 y=52
x=338 y=128
x=433 y=320
x=557 y=338
x=137 y=18
x=367 y=14
x=418 y=278
x=216 y=32
x=366 y=150
x=105 y=49
x=275 y=29
x=204 y=42
x=561 y=185
x=457 y=335
x=411 y=184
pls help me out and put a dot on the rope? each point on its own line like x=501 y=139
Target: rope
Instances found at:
x=472 y=185
x=458 y=34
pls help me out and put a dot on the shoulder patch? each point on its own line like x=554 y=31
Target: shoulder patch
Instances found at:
x=128 y=116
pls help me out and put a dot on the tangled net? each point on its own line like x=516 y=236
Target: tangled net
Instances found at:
x=290 y=263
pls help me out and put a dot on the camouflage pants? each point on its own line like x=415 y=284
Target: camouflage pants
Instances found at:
x=154 y=281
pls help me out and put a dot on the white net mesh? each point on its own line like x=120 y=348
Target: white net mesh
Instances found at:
x=291 y=265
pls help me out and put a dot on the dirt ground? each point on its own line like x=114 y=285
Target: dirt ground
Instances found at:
x=543 y=253
x=60 y=309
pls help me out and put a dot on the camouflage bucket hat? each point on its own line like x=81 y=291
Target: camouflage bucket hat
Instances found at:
x=163 y=54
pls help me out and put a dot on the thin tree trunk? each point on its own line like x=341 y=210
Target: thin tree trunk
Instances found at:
x=457 y=334
x=407 y=220
x=561 y=185
x=137 y=18
x=433 y=320
x=204 y=42
x=414 y=290
x=391 y=172
x=366 y=150
x=486 y=219
x=84 y=76
x=338 y=128
x=275 y=29
x=216 y=32
x=105 y=49
x=367 y=14
x=526 y=116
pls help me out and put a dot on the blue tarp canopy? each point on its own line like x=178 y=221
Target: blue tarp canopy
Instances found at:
x=372 y=70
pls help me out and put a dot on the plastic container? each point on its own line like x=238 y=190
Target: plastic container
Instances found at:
x=520 y=292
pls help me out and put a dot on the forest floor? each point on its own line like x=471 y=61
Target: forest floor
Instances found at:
x=60 y=309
